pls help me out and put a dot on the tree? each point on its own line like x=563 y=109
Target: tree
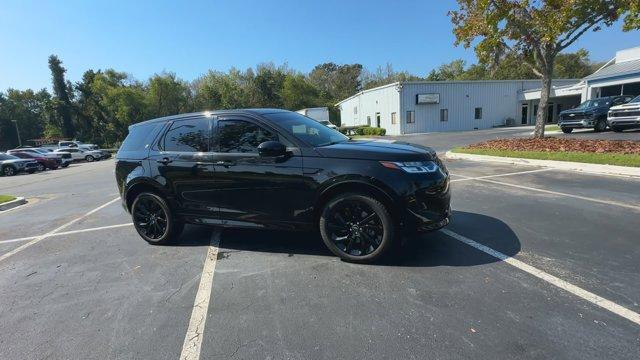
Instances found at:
x=298 y=92
x=167 y=95
x=452 y=71
x=535 y=31
x=61 y=91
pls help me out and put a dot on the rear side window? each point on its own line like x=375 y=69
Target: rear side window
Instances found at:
x=238 y=136
x=188 y=136
x=136 y=140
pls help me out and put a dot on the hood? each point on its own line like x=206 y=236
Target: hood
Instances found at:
x=582 y=110
x=382 y=150
x=626 y=106
x=14 y=161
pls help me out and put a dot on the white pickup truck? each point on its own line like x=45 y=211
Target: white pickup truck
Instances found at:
x=625 y=116
x=319 y=114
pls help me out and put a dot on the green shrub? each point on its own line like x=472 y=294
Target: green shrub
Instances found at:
x=368 y=130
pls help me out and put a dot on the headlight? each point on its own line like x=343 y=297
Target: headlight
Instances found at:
x=413 y=167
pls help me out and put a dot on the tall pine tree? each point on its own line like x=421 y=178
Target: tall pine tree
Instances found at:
x=60 y=91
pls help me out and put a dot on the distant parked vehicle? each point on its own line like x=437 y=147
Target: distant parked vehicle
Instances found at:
x=77 y=144
x=319 y=114
x=80 y=154
x=65 y=158
x=590 y=114
x=625 y=116
x=43 y=162
x=11 y=165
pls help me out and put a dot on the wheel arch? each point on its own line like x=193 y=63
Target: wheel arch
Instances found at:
x=361 y=186
x=134 y=189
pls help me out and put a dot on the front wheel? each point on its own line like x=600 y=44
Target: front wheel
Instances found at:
x=153 y=220
x=9 y=171
x=616 y=129
x=357 y=227
x=41 y=167
x=600 y=126
x=566 y=130
x=64 y=165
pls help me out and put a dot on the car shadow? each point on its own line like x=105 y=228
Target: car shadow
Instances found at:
x=424 y=250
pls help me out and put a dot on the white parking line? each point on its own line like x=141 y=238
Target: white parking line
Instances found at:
x=575 y=290
x=466 y=178
x=606 y=202
x=54 y=231
x=67 y=233
x=195 y=332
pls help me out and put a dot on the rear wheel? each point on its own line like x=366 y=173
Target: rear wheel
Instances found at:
x=8 y=171
x=616 y=129
x=357 y=227
x=41 y=167
x=600 y=126
x=89 y=158
x=65 y=164
x=153 y=220
x=566 y=130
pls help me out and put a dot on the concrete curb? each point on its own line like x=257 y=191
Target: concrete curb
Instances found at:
x=612 y=170
x=13 y=203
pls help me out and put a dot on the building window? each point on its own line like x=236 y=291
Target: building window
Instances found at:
x=411 y=117
x=393 y=118
x=368 y=120
x=478 y=113
x=355 y=110
x=444 y=114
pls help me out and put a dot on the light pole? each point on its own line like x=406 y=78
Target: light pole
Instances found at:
x=18 y=132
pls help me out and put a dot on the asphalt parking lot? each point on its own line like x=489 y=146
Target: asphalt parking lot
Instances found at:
x=536 y=264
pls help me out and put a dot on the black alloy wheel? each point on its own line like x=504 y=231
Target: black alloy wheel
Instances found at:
x=600 y=126
x=9 y=171
x=41 y=167
x=357 y=227
x=152 y=219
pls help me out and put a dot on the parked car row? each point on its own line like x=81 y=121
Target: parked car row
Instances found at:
x=615 y=112
x=32 y=159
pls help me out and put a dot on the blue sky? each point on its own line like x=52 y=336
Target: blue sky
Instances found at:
x=190 y=37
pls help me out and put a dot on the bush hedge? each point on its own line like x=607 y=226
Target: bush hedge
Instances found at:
x=363 y=130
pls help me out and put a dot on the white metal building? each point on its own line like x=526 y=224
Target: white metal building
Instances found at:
x=427 y=106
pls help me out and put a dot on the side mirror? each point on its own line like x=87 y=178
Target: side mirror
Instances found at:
x=271 y=149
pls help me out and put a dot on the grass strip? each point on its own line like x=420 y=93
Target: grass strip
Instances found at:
x=6 y=198
x=632 y=160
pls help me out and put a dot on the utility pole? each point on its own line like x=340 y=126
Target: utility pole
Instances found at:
x=18 y=132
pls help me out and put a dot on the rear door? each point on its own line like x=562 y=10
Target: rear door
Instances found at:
x=251 y=190
x=183 y=165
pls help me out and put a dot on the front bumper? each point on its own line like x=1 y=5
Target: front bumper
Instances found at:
x=627 y=121
x=582 y=124
x=429 y=208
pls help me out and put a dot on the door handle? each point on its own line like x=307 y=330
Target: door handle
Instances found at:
x=224 y=163
x=164 y=161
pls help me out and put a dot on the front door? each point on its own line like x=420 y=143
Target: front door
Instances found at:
x=524 y=119
x=251 y=190
x=183 y=164
x=377 y=119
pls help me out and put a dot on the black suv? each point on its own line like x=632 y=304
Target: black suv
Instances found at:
x=590 y=114
x=277 y=169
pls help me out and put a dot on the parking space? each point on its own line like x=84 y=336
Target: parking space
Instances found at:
x=99 y=291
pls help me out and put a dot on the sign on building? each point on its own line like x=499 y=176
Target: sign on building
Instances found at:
x=431 y=98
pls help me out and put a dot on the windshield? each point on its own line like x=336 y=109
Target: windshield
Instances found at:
x=307 y=129
x=8 y=157
x=635 y=99
x=594 y=103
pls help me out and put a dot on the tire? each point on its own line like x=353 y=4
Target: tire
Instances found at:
x=154 y=220
x=41 y=167
x=566 y=130
x=89 y=158
x=8 y=171
x=362 y=241
x=64 y=165
x=600 y=126
x=616 y=129
x=54 y=167
x=31 y=171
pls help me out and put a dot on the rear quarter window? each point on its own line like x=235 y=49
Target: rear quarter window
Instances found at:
x=139 y=139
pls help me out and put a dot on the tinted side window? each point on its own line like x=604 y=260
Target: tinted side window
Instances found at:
x=188 y=136
x=136 y=140
x=237 y=136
